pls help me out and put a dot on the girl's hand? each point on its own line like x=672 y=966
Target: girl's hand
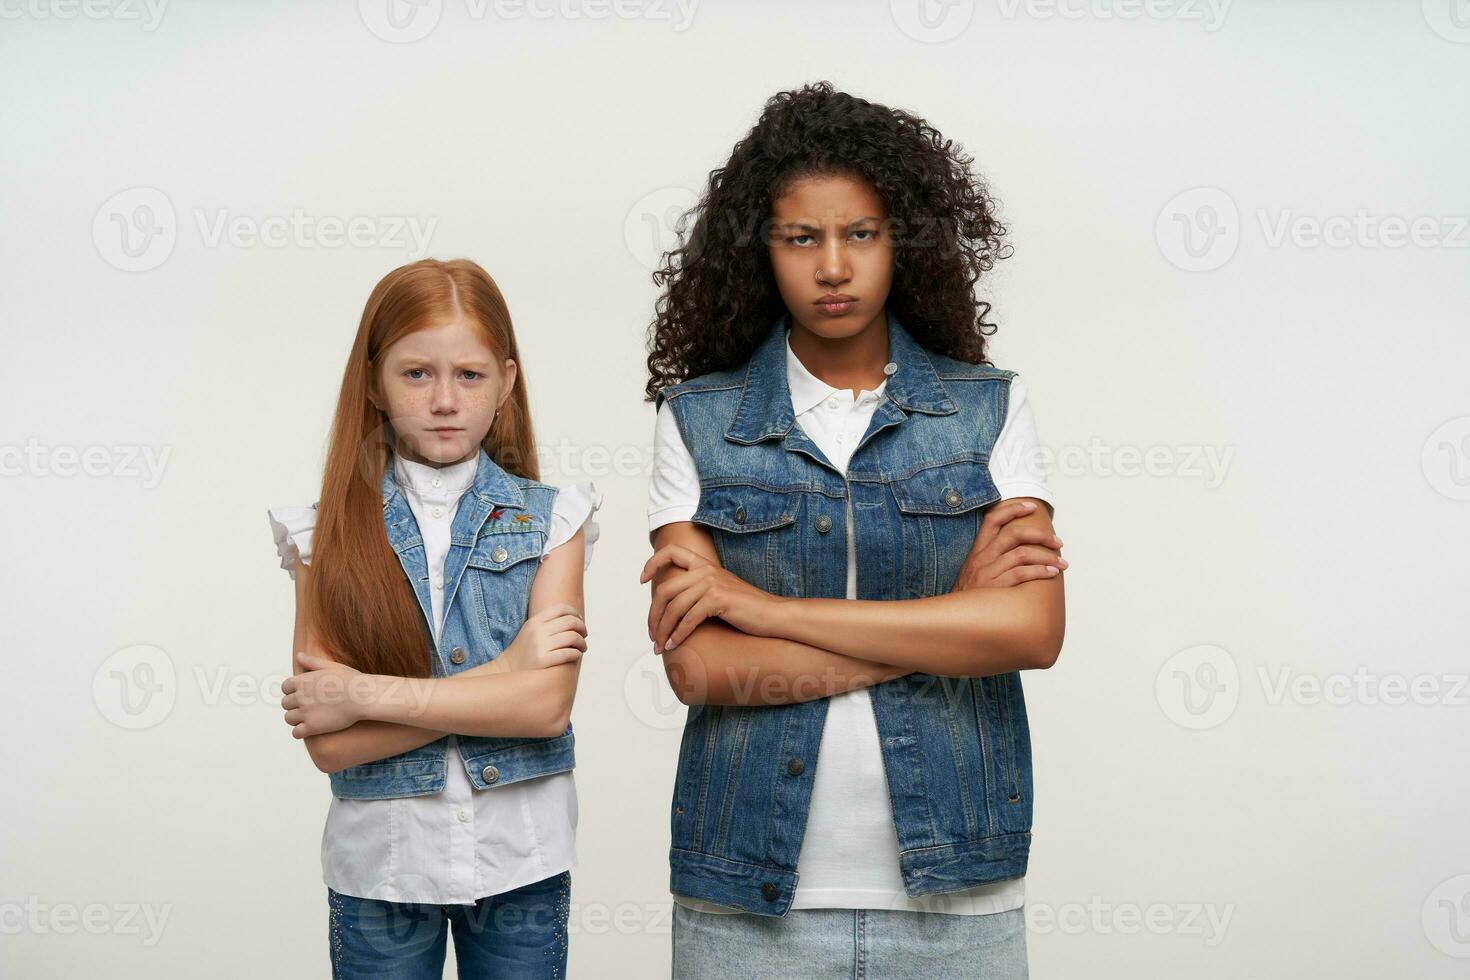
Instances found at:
x=325 y=697
x=555 y=635
x=1008 y=552
x=702 y=590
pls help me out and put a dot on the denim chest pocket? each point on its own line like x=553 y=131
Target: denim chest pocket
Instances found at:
x=940 y=508
x=498 y=575
x=754 y=529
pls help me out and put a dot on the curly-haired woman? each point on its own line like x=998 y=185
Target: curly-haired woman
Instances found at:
x=853 y=554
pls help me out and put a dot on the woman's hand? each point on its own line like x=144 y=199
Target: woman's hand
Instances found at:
x=1008 y=552
x=554 y=635
x=702 y=590
x=325 y=697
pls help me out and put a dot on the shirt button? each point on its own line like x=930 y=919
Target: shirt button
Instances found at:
x=463 y=816
x=796 y=767
x=439 y=483
x=952 y=497
x=457 y=655
x=831 y=403
x=437 y=511
x=769 y=891
x=499 y=554
x=490 y=774
x=824 y=524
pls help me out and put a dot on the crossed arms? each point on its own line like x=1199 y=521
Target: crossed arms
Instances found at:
x=726 y=642
x=348 y=718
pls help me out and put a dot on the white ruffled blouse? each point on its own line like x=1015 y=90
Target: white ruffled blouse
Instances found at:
x=459 y=845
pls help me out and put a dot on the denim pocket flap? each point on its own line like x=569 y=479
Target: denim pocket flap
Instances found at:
x=946 y=488
x=744 y=508
x=496 y=552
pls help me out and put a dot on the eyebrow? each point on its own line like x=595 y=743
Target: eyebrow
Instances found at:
x=411 y=359
x=807 y=226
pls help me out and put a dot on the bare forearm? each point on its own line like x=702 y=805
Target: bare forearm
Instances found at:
x=973 y=633
x=718 y=664
x=371 y=741
x=531 y=703
x=365 y=741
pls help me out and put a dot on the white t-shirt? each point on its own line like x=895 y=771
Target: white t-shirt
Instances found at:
x=849 y=854
x=456 y=846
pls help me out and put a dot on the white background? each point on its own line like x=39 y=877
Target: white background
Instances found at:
x=1315 y=829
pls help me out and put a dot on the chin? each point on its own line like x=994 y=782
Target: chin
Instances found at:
x=438 y=451
x=836 y=328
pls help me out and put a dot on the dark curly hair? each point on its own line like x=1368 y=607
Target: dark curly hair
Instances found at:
x=719 y=296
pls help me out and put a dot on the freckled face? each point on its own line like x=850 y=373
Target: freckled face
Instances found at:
x=440 y=388
x=830 y=239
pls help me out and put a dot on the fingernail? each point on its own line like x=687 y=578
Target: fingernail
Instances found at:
x=1052 y=569
x=669 y=643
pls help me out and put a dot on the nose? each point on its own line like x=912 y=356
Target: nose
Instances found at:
x=832 y=268
x=445 y=398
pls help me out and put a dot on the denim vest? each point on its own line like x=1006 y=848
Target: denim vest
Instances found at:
x=495 y=548
x=956 y=751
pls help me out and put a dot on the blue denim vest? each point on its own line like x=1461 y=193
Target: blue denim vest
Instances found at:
x=956 y=751
x=495 y=548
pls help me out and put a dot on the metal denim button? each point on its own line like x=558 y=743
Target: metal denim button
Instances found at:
x=769 y=891
x=796 y=767
x=456 y=655
x=739 y=515
x=824 y=524
x=499 y=554
x=953 y=498
x=889 y=368
x=490 y=774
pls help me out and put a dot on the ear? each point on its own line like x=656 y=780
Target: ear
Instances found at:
x=373 y=394
x=508 y=381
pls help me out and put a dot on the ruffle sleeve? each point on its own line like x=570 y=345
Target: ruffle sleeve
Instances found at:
x=573 y=509
x=292 y=528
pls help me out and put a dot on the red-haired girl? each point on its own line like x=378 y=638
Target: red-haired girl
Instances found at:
x=439 y=633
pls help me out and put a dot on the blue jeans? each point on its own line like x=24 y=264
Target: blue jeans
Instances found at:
x=849 y=944
x=520 y=934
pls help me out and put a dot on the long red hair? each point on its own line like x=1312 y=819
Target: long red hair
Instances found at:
x=360 y=603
